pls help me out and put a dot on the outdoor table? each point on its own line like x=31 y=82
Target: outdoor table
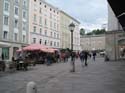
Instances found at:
x=2 y=65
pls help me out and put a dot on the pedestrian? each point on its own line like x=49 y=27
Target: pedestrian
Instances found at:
x=82 y=57
x=94 y=55
x=86 y=54
x=58 y=57
x=73 y=56
x=49 y=59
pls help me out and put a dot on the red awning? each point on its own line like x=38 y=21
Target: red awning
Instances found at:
x=33 y=47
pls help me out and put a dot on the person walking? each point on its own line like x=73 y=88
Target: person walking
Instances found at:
x=94 y=55
x=82 y=57
x=86 y=54
x=48 y=59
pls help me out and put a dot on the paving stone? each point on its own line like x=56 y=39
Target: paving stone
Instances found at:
x=97 y=77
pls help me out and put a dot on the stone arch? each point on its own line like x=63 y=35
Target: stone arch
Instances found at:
x=121 y=44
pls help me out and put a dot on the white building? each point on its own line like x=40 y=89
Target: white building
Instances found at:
x=13 y=26
x=44 y=24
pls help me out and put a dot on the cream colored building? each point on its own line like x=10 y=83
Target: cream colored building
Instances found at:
x=92 y=42
x=44 y=24
x=13 y=26
x=65 y=20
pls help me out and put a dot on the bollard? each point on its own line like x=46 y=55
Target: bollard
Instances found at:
x=31 y=87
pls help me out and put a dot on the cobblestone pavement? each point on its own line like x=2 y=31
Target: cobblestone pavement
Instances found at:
x=97 y=77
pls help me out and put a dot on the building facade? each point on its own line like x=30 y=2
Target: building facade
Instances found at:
x=115 y=37
x=44 y=24
x=65 y=20
x=92 y=42
x=13 y=26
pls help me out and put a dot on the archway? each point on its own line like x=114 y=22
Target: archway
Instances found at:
x=121 y=45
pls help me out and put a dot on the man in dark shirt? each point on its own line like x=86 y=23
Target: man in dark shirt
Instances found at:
x=86 y=54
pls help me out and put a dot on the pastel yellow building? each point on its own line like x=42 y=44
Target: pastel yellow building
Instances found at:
x=65 y=20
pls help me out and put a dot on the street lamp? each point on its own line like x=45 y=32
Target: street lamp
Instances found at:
x=71 y=28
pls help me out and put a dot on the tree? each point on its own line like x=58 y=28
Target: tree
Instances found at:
x=82 y=31
x=96 y=32
x=89 y=33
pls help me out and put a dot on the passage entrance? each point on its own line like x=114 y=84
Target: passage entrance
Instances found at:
x=121 y=44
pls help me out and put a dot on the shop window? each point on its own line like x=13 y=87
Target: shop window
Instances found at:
x=5 y=52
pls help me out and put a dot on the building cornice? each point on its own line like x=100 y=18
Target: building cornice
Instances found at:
x=114 y=31
x=88 y=36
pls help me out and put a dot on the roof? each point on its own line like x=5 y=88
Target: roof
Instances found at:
x=70 y=16
x=118 y=8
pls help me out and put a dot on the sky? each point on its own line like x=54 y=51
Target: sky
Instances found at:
x=90 y=13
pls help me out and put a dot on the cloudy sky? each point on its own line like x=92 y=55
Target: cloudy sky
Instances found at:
x=91 y=13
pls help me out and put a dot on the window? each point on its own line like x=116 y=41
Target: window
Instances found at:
x=24 y=14
x=50 y=15
x=45 y=22
x=55 y=35
x=35 y=7
x=5 y=52
x=40 y=41
x=34 y=40
x=40 y=10
x=40 y=3
x=50 y=23
x=24 y=26
x=16 y=10
x=16 y=1
x=16 y=23
x=6 y=20
x=57 y=27
x=51 y=43
x=24 y=3
x=40 y=30
x=5 y=35
x=34 y=29
x=45 y=32
x=24 y=38
x=45 y=42
x=54 y=25
x=6 y=6
x=58 y=44
x=34 y=18
x=45 y=6
x=15 y=36
x=54 y=43
x=40 y=20
x=51 y=34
